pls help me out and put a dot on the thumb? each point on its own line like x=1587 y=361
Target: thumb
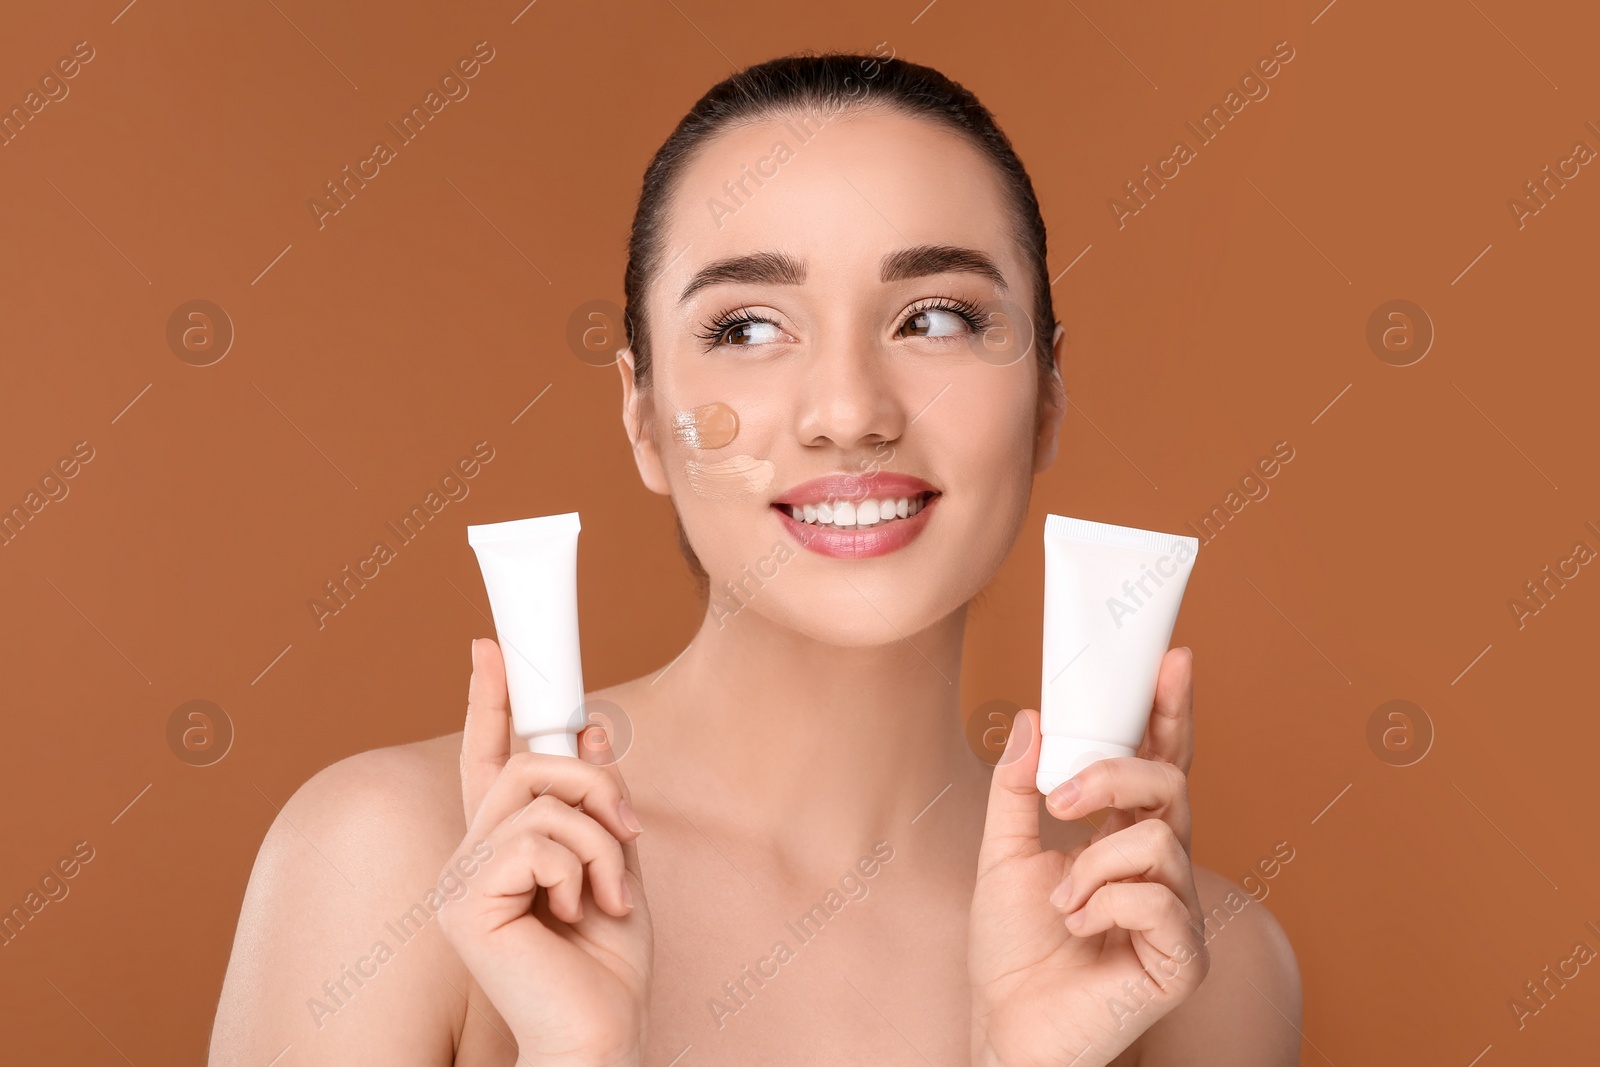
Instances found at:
x=1011 y=827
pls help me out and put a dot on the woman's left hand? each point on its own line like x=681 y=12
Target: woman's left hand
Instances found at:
x=1073 y=955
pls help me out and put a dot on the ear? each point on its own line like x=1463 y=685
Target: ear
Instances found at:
x=1052 y=403
x=637 y=409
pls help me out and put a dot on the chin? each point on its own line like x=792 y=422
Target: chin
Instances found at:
x=866 y=605
x=846 y=624
x=831 y=591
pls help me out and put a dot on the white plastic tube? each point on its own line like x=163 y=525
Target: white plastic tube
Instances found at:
x=530 y=568
x=1111 y=596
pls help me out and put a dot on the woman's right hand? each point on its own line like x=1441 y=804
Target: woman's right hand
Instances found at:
x=553 y=926
x=1132 y=948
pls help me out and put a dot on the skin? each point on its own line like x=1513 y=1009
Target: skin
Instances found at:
x=820 y=721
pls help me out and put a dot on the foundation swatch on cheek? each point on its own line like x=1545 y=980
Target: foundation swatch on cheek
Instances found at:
x=707 y=426
x=730 y=477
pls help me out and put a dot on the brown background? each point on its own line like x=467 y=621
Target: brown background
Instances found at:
x=1225 y=317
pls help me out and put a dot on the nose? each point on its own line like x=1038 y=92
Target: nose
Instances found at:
x=849 y=397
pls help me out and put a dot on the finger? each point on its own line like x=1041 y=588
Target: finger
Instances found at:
x=1148 y=851
x=1114 y=821
x=594 y=746
x=1169 y=944
x=527 y=775
x=1011 y=826
x=523 y=863
x=1146 y=788
x=1109 y=822
x=593 y=845
x=486 y=738
x=1170 y=735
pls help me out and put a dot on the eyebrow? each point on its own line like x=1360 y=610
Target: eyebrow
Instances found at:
x=780 y=268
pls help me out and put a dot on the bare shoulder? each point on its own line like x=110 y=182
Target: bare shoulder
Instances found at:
x=372 y=817
x=337 y=951
x=412 y=780
x=1247 y=1012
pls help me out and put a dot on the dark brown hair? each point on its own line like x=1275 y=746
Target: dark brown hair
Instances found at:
x=827 y=83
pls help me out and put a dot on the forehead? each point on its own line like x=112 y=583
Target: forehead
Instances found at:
x=839 y=194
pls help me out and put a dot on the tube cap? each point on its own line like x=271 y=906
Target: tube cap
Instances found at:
x=554 y=743
x=1062 y=757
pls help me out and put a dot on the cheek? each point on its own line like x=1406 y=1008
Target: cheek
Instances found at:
x=717 y=447
x=707 y=414
x=984 y=451
x=729 y=478
x=720 y=470
x=712 y=454
x=713 y=425
x=987 y=433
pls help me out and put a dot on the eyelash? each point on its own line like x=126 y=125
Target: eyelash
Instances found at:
x=712 y=333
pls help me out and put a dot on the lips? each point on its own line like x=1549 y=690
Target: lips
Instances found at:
x=854 y=487
x=856 y=516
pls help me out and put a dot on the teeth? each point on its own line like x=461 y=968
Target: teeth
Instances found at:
x=848 y=514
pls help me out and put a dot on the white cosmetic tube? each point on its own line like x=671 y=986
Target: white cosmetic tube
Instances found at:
x=530 y=568
x=1111 y=596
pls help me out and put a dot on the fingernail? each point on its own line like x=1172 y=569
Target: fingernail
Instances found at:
x=1075 y=920
x=629 y=819
x=1065 y=794
x=1011 y=739
x=627 y=894
x=1062 y=893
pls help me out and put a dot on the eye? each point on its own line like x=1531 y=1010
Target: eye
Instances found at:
x=738 y=329
x=944 y=317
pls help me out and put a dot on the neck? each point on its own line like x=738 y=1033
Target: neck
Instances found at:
x=824 y=750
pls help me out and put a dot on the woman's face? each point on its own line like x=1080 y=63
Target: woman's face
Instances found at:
x=852 y=345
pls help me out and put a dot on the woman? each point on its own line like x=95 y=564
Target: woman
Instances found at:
x=828 y=874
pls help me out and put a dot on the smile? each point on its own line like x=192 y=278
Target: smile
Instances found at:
x=857 y=516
